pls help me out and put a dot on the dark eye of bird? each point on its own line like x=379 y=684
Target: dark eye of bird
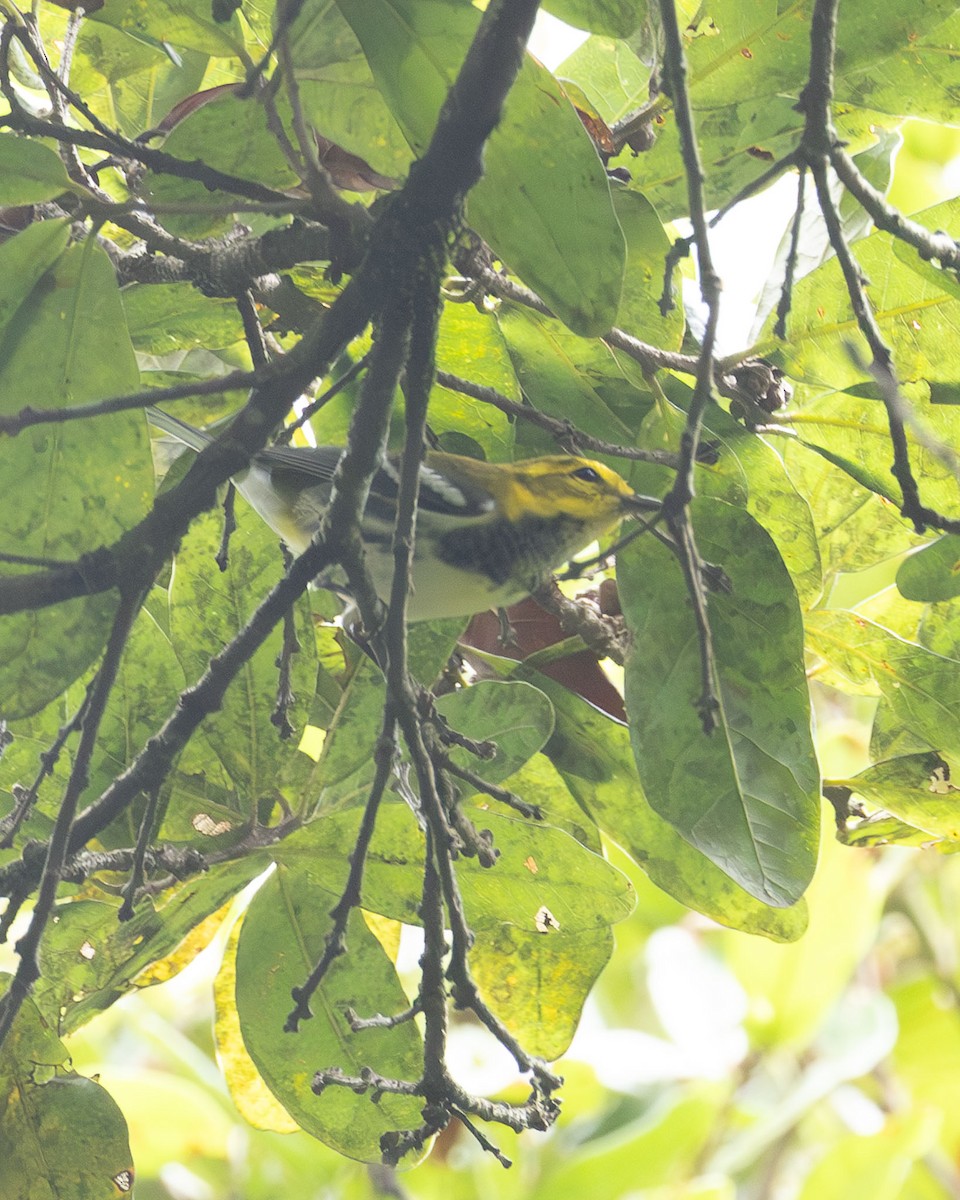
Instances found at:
x=587 y=474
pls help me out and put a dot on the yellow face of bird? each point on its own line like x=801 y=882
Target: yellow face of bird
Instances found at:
x=564 y=485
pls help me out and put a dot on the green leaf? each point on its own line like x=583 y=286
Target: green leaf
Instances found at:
x=540 y=781
x=281 y=939
x=353 y=729
x=130 y=81
x=31 y=1048
x=254 y=1100
x=762 y=50
x=920 y=76
x=539 y=866
x=354 y=726
x=774 y=501
x=852 y=433
x=470 y=345
x=89 y=958
x=231 y=135
x=543 y=202
x=933 y=573
x=208 y=608
x=647 y=247
x=24 y=260
x=613 y=79
x=855 y=528
x=537 y=983
x=344 y=104
x=338 y=92
x=594 y=756
x=515 y=716
x=107 y=53
x=30 y=171
x=730 y=139
x=882 y=830
x=70 y=488
x=938 y=627
x=618 y=18
x=919 y=686
x=745 y=470
x=319 y=37
x=175 y=316
x=570 y=378
x=886 y=605
x=917 y=788
x=183 y=23
x=65 y=340
x=146 y=689
x=747 y=65
x=196 y=808
x=66 y=1137
x=889 y=738
x=747 y=796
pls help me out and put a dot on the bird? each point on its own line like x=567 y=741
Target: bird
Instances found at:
x=487 y=534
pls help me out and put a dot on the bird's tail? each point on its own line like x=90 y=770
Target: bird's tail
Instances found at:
x=195 y=438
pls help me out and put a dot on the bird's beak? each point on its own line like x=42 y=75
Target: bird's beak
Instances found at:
x=636 y=505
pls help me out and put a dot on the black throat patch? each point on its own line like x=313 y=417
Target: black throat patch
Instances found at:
x=504 y=550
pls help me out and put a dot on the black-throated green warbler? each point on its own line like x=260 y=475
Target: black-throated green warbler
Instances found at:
x=487 y=533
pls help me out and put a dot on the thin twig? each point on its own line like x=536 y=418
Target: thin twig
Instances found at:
x=755 y=186
x=563 y=431
x=674 y=256
x=786 y=291
x=69 y=44
x=252 y=329
x=935 y=246
x=335 y=943
x=235 y=381
x=677 y=501
x=378 y=1021
x=532 y=811
x=286 y=434
x=28 y=946
x=280 y=717
x=313 y=172
x=31 y=560
x=229 y=509
x=135 y=882
x=27 y=797
x=819 y=137
x=482 y=1140
x=55 y=82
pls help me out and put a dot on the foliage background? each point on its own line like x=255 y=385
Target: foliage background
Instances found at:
x=744 y=1067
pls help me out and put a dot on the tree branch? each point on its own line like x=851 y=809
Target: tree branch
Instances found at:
x=675 y=503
